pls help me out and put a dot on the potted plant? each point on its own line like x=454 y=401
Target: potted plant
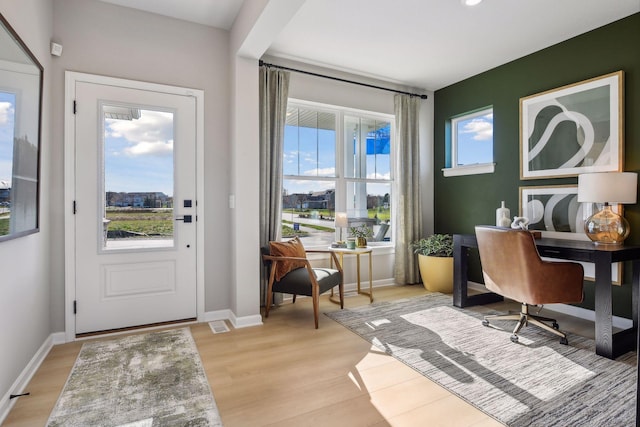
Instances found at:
x=361 y=233
x=435 y=260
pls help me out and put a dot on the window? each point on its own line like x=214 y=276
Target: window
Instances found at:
x=470 y=138
x=335 y=160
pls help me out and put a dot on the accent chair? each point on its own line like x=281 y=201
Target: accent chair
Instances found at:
x=290 y=272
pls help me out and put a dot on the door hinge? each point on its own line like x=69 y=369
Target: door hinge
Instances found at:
x=75 y=107
x=75 y=307
x=74 y=207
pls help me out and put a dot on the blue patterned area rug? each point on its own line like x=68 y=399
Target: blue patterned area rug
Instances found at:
x=153 y=379
x=537 y=382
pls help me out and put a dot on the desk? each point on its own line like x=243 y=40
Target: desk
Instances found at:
x=357 y=252
x=608 y=344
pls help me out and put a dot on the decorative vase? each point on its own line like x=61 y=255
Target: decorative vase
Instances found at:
x=361 y=242
x=502 y=216
x=436 y=273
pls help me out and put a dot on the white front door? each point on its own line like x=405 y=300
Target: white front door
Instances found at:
x=135 y=207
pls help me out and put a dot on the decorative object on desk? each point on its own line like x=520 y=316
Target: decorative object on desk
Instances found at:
x=502 y=216
x=520 y=222
x=607 y=227
x=435 y=261
x=341 y=222
x=339 y=245
x=539 y=382
x=361 y=233
x=573 y=129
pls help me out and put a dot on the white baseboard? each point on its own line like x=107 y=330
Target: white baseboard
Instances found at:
x=27 y=373
x=256 y=319
x=579 y=312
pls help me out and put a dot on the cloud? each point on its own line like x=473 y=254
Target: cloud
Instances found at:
x=321 y=172
x=378 y=175
x=151 y=134
x=158 y=148
x=480 y=128
x=6 y=112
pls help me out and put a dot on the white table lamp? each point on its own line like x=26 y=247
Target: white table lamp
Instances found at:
x=341 y=221
x=606 y=226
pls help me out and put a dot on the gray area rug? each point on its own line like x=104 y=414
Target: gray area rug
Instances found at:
x=537 y=382
x=152 y=379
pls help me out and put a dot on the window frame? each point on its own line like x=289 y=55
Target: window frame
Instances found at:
x=451 y=136
x=340 y=180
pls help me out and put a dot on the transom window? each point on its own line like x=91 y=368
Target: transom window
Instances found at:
x=336 y=160
x=471 y=144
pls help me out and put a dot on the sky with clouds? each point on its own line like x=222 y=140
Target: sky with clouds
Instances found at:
x=312 y=152
x=139 y=153
x=475 y=140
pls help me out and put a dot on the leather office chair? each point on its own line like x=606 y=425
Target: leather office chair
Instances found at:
x=301 y=278
x=512 y=267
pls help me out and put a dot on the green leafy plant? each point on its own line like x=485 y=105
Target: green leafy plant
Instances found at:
x=361 y=231
x=438 y=245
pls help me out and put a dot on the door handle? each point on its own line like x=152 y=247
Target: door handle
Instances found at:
x=186 y=219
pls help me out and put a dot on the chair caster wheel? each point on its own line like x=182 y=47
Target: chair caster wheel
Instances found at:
x=555 y=326
x=485 y=323
x=564 y=341
x=514 y=338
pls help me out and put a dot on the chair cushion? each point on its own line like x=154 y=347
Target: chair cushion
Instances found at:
x=291 y=248
x=298 y=281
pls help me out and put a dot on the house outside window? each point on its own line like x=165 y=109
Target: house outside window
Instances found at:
x=336 y=160
x=470 y=140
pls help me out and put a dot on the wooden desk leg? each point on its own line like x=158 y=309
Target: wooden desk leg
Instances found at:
x=604 y=327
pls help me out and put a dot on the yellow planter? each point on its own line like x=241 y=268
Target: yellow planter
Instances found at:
x=436 y=273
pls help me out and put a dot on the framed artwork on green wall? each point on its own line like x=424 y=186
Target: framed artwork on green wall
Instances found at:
x=555 y=212
x=573 y=129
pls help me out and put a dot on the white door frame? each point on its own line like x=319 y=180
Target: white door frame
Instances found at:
x=71 y=78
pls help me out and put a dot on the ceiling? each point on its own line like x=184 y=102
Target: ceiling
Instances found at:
x=425 y=44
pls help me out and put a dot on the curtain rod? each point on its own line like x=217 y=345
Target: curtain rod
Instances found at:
x=262 y=63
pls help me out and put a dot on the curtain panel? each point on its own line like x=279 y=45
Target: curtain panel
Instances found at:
x=274 y=92
x=407 y=191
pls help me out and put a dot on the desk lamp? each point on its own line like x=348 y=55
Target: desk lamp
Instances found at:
x=606 y=226
x=341 y=222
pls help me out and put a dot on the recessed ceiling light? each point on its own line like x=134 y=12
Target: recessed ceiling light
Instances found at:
x=471 y=2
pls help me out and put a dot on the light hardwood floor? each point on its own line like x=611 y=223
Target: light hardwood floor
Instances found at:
x=286 y=373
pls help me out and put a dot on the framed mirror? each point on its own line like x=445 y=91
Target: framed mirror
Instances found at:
x=20 y=130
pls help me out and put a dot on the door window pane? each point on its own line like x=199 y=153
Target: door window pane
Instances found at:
x=138 y=178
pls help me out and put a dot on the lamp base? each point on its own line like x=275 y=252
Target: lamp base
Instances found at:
x=607 y=227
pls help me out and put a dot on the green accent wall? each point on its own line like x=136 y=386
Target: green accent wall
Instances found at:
x=465 y=201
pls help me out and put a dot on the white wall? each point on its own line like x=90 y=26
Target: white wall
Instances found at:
x=24 y=262
x=105 y=39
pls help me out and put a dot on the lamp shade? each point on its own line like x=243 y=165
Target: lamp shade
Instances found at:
x=341 y=219
x=608 y=187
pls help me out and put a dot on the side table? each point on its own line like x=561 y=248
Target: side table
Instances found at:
x=357 y=252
